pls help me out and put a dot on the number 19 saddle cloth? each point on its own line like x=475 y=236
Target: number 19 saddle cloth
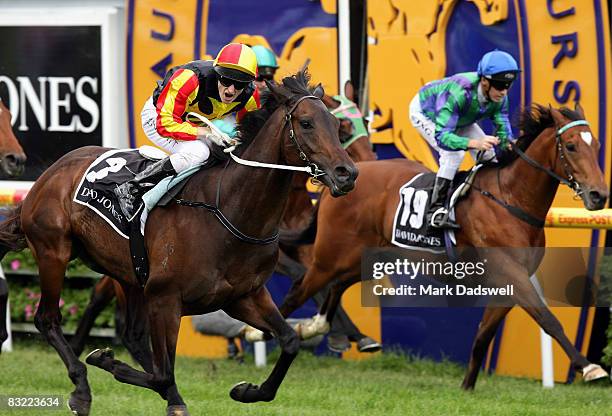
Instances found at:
x=410 y=228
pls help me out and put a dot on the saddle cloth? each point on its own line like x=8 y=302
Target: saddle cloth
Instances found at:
x=96 y=189
x=410 y=228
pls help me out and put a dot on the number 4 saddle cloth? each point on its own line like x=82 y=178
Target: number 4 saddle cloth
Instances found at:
x=410 y=227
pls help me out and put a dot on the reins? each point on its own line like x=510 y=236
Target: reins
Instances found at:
x=570 y=181
x=312 y=169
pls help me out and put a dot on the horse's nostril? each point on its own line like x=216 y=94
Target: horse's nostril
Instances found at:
x=342 y=173
x=15 y=159
x=596 y=197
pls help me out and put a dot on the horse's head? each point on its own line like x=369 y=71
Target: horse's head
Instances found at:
x=577 y=157
x=312 y=134
x=12 y=157
x=353 y=131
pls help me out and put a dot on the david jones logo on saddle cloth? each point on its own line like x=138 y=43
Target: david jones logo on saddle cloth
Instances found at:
x=445 y=113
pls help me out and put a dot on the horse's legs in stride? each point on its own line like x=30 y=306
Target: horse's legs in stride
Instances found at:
x=303 y=289
x=52 y=255
x=101 y=295
x=258 y=309
x=164 y=319
x=3 y=311
x=486 y=331
x=134 y=330
x=527 y=297
x=329 y=307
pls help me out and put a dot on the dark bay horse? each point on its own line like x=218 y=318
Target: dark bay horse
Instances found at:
x=367 y=216
x=293 y=262
x=12 y=164
x=196 y=264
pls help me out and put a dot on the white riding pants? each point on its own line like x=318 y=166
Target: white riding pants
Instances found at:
x=183 y=154
x=450 y=160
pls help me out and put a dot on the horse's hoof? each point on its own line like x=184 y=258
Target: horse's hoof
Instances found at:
x=99 y=356
x=253 y=334
x=177 y=410
x=593 y=372
x=249 y=393
x=78 y=406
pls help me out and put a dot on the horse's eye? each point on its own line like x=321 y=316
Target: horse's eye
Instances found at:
x=570 y=147
x=306 y=124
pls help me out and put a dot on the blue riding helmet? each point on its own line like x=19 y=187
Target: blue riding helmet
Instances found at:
x=498 y=65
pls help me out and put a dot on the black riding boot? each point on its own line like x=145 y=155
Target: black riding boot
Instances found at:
x=438 y=197
x=130 y=190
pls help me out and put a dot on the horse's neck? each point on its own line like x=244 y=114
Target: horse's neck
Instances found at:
x=528 y=187
x=260 y=194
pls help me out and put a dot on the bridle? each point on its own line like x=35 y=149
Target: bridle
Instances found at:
x=311 y=168
x=314 y=169
x=569 y=179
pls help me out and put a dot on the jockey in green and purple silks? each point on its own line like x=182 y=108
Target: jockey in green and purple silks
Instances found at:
x=445 y=112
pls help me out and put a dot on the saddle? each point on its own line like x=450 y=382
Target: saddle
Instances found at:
x=410 y=228
x=114 y=167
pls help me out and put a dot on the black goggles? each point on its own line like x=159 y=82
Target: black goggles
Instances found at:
x=228 y=82
x=500 y=85
x=262 y=78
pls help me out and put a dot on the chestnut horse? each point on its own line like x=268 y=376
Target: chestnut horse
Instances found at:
x=197 y=263
x=12 y=164
x=556 y=146
x=293 y=262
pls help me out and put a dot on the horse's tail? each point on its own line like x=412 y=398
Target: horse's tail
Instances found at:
x=301 y=236
x=12 y=237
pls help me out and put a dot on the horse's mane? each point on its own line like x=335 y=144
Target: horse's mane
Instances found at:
x=292 y=88
x=533 y=121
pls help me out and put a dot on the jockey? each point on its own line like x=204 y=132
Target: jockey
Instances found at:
x=214 y=89
x=445 y=113
x=266 y=66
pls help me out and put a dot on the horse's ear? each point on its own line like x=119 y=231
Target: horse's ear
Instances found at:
x=280 y=94
x=304 y=67
x=349 y=90
x=556 y=115
x=318 y=91
x=578 y=108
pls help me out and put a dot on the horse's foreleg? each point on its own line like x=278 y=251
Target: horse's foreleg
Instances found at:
x=52 y=258
x=314 y=280
x=101 y=295
x=164 y=319
x=527 y=297
x=486 y=330
x=3 y=311
x=289 y=267
x=331 y=304
x=258 y=309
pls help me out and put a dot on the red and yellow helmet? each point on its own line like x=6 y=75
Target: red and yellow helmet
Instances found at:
x=236 y=61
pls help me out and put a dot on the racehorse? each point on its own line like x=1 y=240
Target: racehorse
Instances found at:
x=556 y=146
x=292 y=262
x=12 y=157
x=197 y=263
x=12 y=163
